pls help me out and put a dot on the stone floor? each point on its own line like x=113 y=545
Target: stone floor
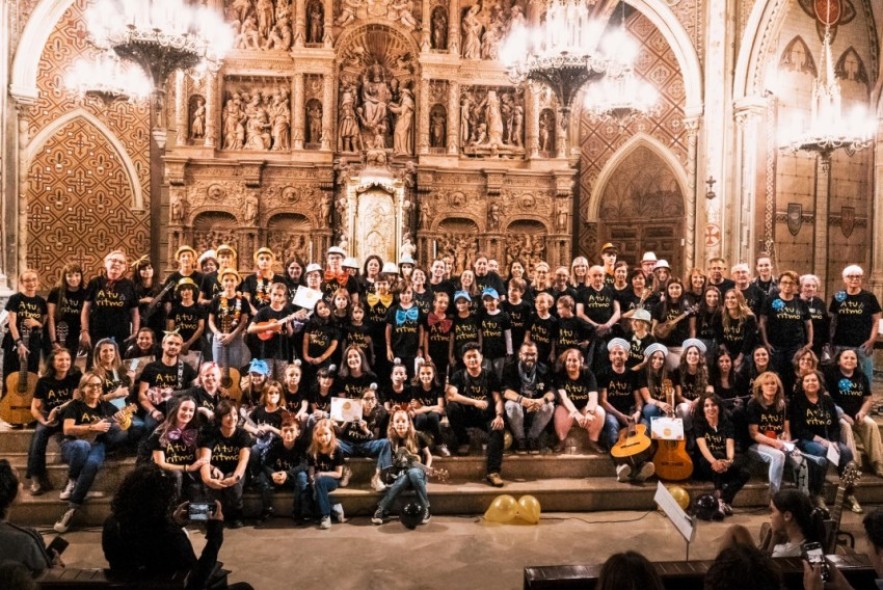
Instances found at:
x=450 y=552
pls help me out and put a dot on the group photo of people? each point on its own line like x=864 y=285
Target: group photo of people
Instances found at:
x=273 y=379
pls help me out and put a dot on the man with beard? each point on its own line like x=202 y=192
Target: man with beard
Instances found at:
x=529 y=398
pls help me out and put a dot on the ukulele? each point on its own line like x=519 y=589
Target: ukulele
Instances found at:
x=850 y=475
x=123 y=419
x=230 y=378
x=15 y=407
x=271 y=328
x=61 y=332
x=664 y=329
x=634 y=446
x=404 y=459
x=672 y=461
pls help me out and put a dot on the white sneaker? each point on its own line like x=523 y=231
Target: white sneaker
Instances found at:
x=623 y=472
x=345 y=477
x=325 y=523
x=376 y=484
x=68 y=490
x=64 y=523
x=646 y=471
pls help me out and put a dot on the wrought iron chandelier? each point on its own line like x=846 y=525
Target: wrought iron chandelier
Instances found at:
x=108 y=79
x=560 y=52
x=828 y=129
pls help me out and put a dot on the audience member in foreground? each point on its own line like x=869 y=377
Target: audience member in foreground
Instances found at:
x=19 y=545
x=628 y=571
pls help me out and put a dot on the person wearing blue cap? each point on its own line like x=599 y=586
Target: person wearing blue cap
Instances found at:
x=495 y=330
x=466 y=327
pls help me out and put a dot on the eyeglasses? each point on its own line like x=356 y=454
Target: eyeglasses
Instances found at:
x=117 y=261
x=92 y=385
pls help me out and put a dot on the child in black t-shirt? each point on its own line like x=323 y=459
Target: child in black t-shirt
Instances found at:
x=358 y=333
x=466 y=328
x=273 y=327
x=326 y=468
x=404 y=330
x=186 y=316
x=520 y=311
x=543 y=331
x=284 y=465
x=496 y=332
x=321 y=338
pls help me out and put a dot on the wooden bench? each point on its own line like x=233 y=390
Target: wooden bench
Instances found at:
x=689 y=575
x=70 y=578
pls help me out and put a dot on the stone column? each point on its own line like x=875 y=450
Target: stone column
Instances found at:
x=423 y=117
x=453 y=116
x=425 y=43
x=820 y=228
x=300 y=22
x=328 y=137
x=212 y=110
x=453 y=27
x=181 y=110
x=23 y=109
x=7 y=161
x=531 y=121
x=297 y=91
x=328 y=40
x=692 y=127
x=876 y=273
x=743 y=201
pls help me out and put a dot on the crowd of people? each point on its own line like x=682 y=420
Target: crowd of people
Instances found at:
x=225 y=381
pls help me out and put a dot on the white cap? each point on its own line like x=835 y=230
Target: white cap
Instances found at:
x=649 y=257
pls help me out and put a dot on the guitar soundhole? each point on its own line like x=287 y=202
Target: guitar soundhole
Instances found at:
x=226 y=382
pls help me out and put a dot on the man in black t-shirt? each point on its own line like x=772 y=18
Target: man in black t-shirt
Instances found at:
x=110 y=309
x=529 y=398
x=160 y=378
x=855 y=317
x=474 y=400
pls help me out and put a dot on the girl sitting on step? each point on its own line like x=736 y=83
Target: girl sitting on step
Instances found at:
x=325 y=459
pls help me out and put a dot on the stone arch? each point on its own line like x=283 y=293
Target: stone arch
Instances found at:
x=639 y=202
x=36 y=144
x=30 y=47
x=213 y=228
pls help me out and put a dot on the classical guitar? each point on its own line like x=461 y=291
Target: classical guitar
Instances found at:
x=230 y=378
x=15 y=407
x=268 y=329
x=672 y=461
x=634 y=445
x=664 y=329
x=157 y=301
x=850 y=475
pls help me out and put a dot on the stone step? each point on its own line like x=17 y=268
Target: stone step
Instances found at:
x=554 y=495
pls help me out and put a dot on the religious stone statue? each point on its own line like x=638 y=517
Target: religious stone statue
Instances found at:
x=407 y=249
x=494 y=214
x=249 y=36
x=281 y=129
x=176 y=207
x=266 y=15
x=315 y=23
x=437 y=129
x=349 y=133
x=348 y=12
x=257 y=128
x=402 y=134
x=314 y=118
x=375 y=97
x=280 y=35
x=493 y=118
x=197 y=120
x=405 y=16
x=425 y=214
x=471 y=27
x=325 y=211
x=439 y=37
x=234 y=123
x=250 y=210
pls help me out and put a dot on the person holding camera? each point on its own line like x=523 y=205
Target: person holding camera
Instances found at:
x=17 y=544
x=144 y=536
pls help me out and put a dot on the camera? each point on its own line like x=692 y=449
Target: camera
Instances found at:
x=200 y=511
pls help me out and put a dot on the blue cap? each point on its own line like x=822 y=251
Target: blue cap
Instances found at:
x=462 y=295
x=490 y=292
x=258 y=366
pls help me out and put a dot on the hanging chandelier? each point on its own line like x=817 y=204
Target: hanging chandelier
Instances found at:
x=108 y=79
x=161 y=36
x=560 y=52
x=828 y=129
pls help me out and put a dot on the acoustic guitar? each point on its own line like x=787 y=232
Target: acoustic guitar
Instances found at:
x=634 y=446
x=663 y=330
x=850 y=475
x=15 y=407
x=157 y=301
x=230 y=378
x=672 y=461
x=271 y=328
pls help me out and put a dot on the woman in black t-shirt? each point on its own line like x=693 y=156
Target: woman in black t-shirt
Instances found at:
x=27 y=316
x=65 y=304
x=225 y=450
x=577 y=401
x=715 y=457
x=173 y=447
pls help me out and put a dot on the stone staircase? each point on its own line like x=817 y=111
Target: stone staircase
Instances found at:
x=572 y=482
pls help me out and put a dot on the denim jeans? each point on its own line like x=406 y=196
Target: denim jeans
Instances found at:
x=322 y=486
x=611 y=429
x=649 y=412
x=816 y=453
x=37 y=450
x=415 y=478
x=302 y=504
x=430 y=423
x=462 y=417
x=379 y=448
x=537 y=421
x=776 y=461
x=85 y=459
x=230 y=499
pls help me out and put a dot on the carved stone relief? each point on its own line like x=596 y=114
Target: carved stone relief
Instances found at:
x=257 y=115
x=260 y=25
x=405 y=13
x=492 y=121
x=484 y=25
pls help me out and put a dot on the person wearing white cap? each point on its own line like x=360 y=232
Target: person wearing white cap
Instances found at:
x=619 y=391
x=336 y=277
x=655 y=384
x=693 y=383
x=647 y=262
x=208 y=262
x=641 y=338
x=661 y=274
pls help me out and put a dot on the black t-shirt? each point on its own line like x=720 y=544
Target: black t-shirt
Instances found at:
x=785 y=321
x=493 y=334
x=321 y=402
x=715 y=438
x=848 y=392
x=821 y=322
x=280 y=458
x=329 y=288
x=359 y=336
x=81 y=413
x=320 y=335
x=186 y=321
x=477 y=388
x=682 y=329
x=279 y=345
x=754 y=297
x=228 y=312
x=377 y=308
x=423 y=301
x=196 y=276
x=689 y=383
x=260 y=415
x=572 y=332
x=54 y=392
x=293 y=400
x=438 y=335
x=813 y=419
x=397 y=398
x=353 y=387
x=769 y=420
x=544 y=333
x=854 y=317
x=203 y=398
x=26 y=308
x=405 y=334
x=737 y=336
x=534 y=387
x=637 y=346
x=258 y=289
x=158 y=375
x=327 y=462
x=620 y=388
x=656 y=391
x=445 y=286
x=111 y=307
x=465 y=330
x=520 y=315
x=427 y=398
x=491 y=280
x=225 y=450
x=578 y=389
x=67 y=312
x=211 y=286
x=177 y=452
x=597 y=304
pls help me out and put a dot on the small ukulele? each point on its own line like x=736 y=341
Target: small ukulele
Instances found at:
x=268 y=329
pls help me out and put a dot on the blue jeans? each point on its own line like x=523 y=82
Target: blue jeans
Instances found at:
x=815 y=453
x=611 y=429
x=322 y=487
x=37 y=450
x=379 y=448
x=649 y=412
x=414 y=477
x=84 y=459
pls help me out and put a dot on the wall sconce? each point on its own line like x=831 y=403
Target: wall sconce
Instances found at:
x=710 y=194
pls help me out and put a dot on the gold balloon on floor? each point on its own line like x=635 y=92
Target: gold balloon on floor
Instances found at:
x=506 y=510
x=681 y=496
